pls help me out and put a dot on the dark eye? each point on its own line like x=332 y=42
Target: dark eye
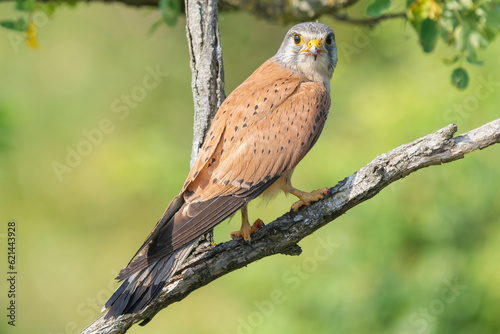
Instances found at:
x=297 y=39
x=329 y=39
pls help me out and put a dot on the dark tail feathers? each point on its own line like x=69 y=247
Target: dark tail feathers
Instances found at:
x=139 y=289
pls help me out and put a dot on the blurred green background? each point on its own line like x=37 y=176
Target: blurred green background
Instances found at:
x=420 y=257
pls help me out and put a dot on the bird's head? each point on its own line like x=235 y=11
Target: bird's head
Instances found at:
x=309 y=49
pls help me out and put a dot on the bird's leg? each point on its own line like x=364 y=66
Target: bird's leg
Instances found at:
x=306 y=198
x=246 y=228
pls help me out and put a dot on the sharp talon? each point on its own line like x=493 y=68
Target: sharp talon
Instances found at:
x=249 y=243
x=257 y=225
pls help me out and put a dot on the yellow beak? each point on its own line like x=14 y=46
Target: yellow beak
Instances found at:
x=314 y=48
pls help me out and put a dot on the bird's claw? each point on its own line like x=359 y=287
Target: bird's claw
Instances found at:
x=247 y=230
x=308 y=198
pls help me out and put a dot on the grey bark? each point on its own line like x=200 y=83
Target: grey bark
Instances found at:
x=207 y=72
x=207 y=69
x=282 y=235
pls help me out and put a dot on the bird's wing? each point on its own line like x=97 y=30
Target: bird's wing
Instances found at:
x=261 y=131
x=250 y=103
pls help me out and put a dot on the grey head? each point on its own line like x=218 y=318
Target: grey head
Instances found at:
x=309 y=50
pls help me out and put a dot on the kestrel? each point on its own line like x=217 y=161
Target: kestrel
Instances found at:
x=258 y=135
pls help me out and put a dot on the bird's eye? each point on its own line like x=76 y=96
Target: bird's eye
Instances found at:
x=329 y=39
x=297 y=39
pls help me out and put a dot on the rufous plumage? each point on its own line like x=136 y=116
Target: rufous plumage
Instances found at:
x=259 y=134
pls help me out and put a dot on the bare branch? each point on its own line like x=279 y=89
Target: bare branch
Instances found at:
x=282 y=235
x=286 y=11
x=370 y=22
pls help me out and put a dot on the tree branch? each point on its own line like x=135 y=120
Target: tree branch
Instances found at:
x=282 y=235
x=281 y=11
x=286 y=11
x=370 y=22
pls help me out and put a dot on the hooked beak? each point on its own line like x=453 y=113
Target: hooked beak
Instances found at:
x=314 y=48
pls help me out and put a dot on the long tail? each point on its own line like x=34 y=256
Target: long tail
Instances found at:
x=142 y=287
x=165 y=249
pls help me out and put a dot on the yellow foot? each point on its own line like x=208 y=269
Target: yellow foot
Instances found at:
x=246 y=230
x=308 y=198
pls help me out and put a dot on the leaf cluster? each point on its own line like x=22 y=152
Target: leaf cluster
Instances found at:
x=466 y=25
x=25 y=23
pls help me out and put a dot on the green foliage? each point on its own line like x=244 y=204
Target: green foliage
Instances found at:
x=170 y=10
x=466 y=25
x=25 y=24
x=396 y=252
x=25 y=5
x=451 y=61
x=19 y=25
x=377 y=7
x=460 y=78
x=429 y=34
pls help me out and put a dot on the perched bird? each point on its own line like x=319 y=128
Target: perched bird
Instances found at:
x=259 y=134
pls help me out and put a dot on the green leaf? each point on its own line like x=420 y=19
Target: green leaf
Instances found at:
x=170 y=10
x=429 y=34
x=451 y=61
x=20 y=25
x=72 y=3
x=25 y=5
x=474 y=61
x=154 y=27
x=377 y=7
x=472 y=56
x=460 y=78
x=48 y=8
